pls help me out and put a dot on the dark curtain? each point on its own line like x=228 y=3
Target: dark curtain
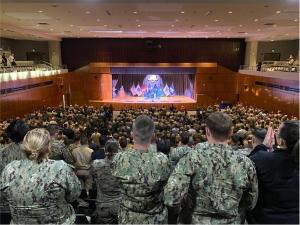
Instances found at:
x=181 y=82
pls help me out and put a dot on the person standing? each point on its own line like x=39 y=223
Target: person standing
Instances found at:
x=108 y=188
x=278 y=178
x=37 y=189
x=4 y=59
x=222 y=182
x=142 y=175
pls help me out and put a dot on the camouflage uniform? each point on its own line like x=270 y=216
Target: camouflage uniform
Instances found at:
x=40 y=193
x=108 y=192
x=10 y=153
x=178 y=153
x=142 y=176
x=59 y=151
x=222 y=184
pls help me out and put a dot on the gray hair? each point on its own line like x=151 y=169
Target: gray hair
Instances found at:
x=143 y=129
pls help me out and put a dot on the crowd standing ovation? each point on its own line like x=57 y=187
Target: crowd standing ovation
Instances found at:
x=158 y=165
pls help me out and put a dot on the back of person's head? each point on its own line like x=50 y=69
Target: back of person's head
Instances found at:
x=36 y=144
x=219 y=125
x=289 y=132
x=53 y=129
x=17 y=130
x=123 y=142
x=69 y=133
x=163 y=145
x=84 y=139
x=102 y=140
x=184 y=138
x=111 y=147
x=259 y=134
x=143 y=129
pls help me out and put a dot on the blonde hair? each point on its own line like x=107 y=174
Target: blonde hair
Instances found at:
x=36 y=144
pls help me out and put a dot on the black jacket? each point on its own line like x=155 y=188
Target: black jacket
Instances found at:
x=98 y=154
x=258 y=148
x=278 y=181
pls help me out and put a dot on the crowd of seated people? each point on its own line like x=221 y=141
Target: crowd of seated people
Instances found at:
x=7 y=60
x=158 y=165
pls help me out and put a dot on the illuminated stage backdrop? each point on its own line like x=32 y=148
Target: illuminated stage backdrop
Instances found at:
x=153 y=83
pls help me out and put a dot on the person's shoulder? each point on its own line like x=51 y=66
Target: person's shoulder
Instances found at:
x=161 y=157
x=14 y=165
x=58 y=165
x=98 y=163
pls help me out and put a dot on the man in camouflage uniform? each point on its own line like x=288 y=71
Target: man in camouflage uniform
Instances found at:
x=16 y=132
x=221 y=181
x=142 y=175
x=181 y=150
x=59 y=151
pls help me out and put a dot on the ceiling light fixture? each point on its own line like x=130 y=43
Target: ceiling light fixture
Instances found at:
x=182 y=12
x=278 y=11
x=176 y=20
x=258 y=30
x=139 y=25
x=255 y=20
x=216 y=20
x=71 y=25
x=98 y=20
x=87 y=12
x=134 y=12
x=206 y=25
x=240 y=25
x=295 y=20
x=229 y=12
x=105 y=25
x=172 y=25
x=40 y=11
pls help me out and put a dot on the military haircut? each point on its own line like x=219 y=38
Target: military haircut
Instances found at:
x=184 y=138
x=143 y=129
x=111 y=147
x=220 y=125
x=123 y=142
x=259 y=134
x=17 y=130
x=53 y=129
x=84 y=139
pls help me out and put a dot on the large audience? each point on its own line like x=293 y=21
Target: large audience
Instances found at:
x=159 y=165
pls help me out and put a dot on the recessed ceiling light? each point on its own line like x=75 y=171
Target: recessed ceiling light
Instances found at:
x=272 y=40
x=71 y=25
x=176 y=20
x=40 y=11
x=98 y=20
x=255 y=20
x=275 y=25
x=216 y=20
x=229 y=12
x=182 y=12
x=80 y=29
x=258 y=29
x=172 y=25
x=134 y=12
x=51 y=29
x=139 y=25
x=287 y=34
x=206 y=25
x=87 y=12
x=105 y=25
x=240 y=25
x=137 y=20
x=295 y=20
x=278 y=11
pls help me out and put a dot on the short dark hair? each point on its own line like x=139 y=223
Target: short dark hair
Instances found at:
x=111 y=147
x=17 y=130
x=163 y=145
x=84 y=139
x=143 y=129
x=259 y=134
x=53 y=129
x=103 y=139
x=220 y=125
x=123 y=142
x=184 y=138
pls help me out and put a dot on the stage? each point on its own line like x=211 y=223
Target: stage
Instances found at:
x=136 y=102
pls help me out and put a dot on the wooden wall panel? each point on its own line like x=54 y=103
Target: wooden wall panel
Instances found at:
x=226 y=52
x=270 y=99
x=22 y=102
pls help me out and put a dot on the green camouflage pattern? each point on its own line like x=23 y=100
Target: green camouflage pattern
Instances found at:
x=177 y=153
x=10 y=153
x=142 y=176
x=59 y=151
x=40 y=192
x=108 y=191
x=222 y=183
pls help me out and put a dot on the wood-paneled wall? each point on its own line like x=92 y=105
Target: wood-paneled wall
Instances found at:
x=20 y=103
x=270 y=99
x=78 y=52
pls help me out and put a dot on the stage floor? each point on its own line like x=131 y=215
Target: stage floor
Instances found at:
x=132 y=99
